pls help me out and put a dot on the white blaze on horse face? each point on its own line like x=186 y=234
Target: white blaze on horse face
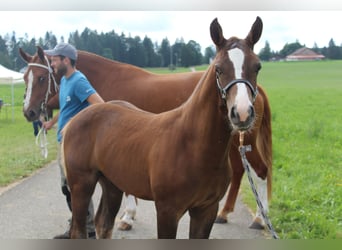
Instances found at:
x=28 y=90
x=242 y=100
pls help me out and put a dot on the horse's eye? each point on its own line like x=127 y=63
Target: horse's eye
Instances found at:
x=258 y=67
x=218 y=70
x=41 y=79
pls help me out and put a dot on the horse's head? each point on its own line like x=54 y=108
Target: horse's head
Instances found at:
x=40 y=84
x=237 y=68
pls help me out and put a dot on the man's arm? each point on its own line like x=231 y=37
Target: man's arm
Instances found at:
x=49 y=124
x=95 y=98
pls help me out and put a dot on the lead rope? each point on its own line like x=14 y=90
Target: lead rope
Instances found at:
x=42 y=142
x=243 y=149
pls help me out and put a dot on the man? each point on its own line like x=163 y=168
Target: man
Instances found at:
x=75 y=94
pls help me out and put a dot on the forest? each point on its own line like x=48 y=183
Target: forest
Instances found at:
x=142 y=52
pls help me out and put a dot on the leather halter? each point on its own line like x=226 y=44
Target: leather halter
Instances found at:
x=225 y=89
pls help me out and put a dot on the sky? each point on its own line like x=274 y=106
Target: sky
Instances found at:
x=280 y=27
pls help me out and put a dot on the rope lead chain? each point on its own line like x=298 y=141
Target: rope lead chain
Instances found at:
x=243 y=149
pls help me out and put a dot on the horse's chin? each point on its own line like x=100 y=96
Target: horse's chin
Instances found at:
x=243 y=127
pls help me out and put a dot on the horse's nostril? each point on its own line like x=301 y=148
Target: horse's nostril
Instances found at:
x=234 y=115
x=32 y=113
x=251 y=112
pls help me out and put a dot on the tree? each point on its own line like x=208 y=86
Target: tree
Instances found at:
x=76 y=40
x=265 y=53
x=136 y=53
x=191 y=54
x=165 y=51
x=209 y=53
x=290 y=48
x=333 y=51
x=151 y=55
x=50 y=40
x=107 y=52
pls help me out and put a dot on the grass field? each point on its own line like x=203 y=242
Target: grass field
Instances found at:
x=19 y=154
x=306 y=109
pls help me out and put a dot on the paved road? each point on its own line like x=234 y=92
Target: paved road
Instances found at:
x=35 y=209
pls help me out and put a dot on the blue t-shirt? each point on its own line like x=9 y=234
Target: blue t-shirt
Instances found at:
x=73 y=95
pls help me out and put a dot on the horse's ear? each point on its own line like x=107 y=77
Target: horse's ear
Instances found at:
x=216 y=33
x=40 y=53
x=255 y=33
x=26 y=57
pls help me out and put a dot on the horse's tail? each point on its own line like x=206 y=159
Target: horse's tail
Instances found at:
x=264 y=140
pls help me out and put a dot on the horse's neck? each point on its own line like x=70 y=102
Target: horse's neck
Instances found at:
x=205 y=108
x=204 y=96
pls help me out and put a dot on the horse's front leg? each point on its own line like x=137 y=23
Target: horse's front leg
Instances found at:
x=80 y=195
x=202 y=220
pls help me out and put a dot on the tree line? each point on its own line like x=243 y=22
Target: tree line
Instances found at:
x=133 y=50
x=332 y=52
x=140 y=52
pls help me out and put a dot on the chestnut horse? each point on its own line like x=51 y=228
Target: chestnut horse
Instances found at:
x=178 y=158
x=154 y=93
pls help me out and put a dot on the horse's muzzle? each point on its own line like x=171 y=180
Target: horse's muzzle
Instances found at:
x=242 y=120
x=31 y=115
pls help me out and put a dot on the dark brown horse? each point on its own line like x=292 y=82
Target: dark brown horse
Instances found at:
x=178 y=159
x=154 y=93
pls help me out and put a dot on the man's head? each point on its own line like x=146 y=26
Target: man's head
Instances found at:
x=63 y=49
x=62 y=55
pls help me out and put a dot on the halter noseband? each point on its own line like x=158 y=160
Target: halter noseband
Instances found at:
x=50 y=70
x=225 y=89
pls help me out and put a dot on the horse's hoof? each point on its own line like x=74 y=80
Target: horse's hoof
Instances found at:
x=221 y=220
x=123 y=226
x=257 y=225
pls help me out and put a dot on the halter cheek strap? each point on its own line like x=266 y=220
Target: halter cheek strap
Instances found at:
x=225 y=89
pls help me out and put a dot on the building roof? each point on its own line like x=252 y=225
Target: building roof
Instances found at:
x=304 y=54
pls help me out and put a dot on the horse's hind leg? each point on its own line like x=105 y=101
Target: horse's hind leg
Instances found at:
x=167 y=221
x=201 y=221
x=126 y=221
x=108 y=208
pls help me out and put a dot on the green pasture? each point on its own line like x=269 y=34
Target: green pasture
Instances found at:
x=306 y=109
x=19 y=154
